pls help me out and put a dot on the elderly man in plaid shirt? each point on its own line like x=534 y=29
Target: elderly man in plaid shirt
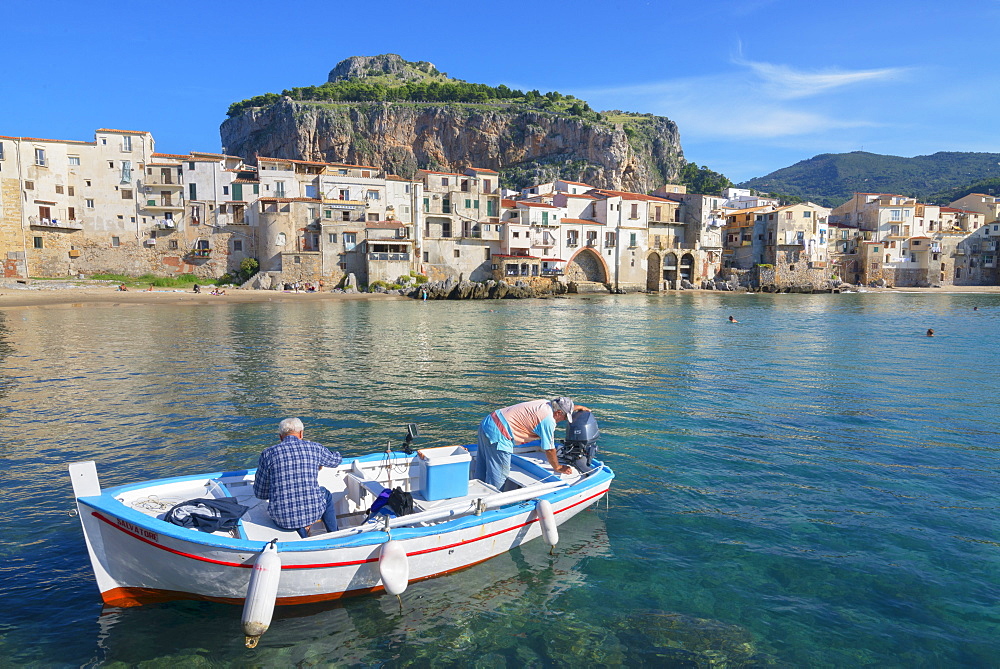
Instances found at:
x=287 y=476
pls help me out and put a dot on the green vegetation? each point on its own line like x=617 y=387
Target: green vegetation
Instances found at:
x=702 y=180
x=989 y=186
x=179 y=281
x=448 y=91
x=830 y=179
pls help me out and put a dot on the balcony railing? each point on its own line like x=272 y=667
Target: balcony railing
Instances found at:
x=56 y=223
x=200 y=253
x=389 y=256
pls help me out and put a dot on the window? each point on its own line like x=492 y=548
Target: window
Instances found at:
x=427 y=204
x=86 y=182
x=631 y=239
x=592 y=237
x=1 y=150
x=173 y=244
x=372 y=195
x=458 y=253
x=190 y=166
x=38 y=243
x=635 y=211
x=609 y=239
x=90 y=203
x=223 y=209
x=545 y=218
x=71 y=213
x=115 y=241
x=40 y=157
x=59 y=190
x=350 y=240
x=126 y=193
x=446 y=229
x=237 y=244
x=444 y=181
x=372 y=218
x=445 y=206
x=895 y=215
x=29 y=185
x=807 y=214
x=345 y=215
x=332 y=237
x=71 y=191
x=465 y=186
x=328 y=213
x=74 y=160
x=427 y=256
x=279 y=188
x=192 y=191
x=487 y=253
x=572 y=237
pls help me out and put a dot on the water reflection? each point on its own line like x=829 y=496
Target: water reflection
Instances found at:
x=772 y=474
x=441 y=615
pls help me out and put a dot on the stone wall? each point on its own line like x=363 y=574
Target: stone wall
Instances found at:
x=11 y=237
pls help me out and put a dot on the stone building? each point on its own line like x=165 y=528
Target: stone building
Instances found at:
x=113 y=205
x=461 y=224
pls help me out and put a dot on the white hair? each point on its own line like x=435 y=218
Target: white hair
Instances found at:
x=289 y=425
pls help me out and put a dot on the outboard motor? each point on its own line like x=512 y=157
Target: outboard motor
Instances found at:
x=580 y=446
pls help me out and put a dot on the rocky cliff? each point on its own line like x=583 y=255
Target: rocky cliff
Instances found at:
x=527 y=145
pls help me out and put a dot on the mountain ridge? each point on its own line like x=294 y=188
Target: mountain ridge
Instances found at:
x=832 y=178
x=401 y=116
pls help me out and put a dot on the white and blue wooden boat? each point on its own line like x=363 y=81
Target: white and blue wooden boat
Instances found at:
x=458 y=521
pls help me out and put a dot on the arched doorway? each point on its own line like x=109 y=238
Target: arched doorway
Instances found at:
x=670 y=270
x=586 y=266
x=687 y=267
x=653 y=272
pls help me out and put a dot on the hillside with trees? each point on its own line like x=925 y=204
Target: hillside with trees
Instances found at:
x=832 y=178
x=401 y=116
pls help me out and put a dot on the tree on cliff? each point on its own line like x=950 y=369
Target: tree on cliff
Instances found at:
x=702 y=180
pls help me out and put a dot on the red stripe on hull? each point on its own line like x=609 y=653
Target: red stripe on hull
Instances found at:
x=129 y=597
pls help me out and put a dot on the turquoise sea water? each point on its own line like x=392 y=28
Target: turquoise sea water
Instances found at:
x=814 y=486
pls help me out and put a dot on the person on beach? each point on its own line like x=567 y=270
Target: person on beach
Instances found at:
x=122 y=287
x=197 y=288
x=287 y=477
x=505 y=428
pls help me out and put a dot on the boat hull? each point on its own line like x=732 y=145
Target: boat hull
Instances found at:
x=139 y=560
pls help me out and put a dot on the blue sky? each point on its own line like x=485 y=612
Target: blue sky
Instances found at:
x=754 y=85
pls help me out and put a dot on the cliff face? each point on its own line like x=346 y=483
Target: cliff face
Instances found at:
x=526 y=146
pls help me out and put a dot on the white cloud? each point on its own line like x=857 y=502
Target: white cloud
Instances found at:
x=761 y=100
x=785 y=83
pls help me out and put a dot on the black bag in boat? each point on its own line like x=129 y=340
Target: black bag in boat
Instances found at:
x=399 y=502
x=207 y=515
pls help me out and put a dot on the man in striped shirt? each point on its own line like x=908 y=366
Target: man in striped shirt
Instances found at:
x=287 y=476
x=505 y=428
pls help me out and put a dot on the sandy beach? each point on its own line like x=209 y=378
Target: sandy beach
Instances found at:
x=97 y=294
x=77 y=293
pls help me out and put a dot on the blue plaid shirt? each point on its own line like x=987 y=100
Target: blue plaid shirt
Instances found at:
x=287 y=477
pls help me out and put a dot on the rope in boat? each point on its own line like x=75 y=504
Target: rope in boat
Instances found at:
x=154 y=503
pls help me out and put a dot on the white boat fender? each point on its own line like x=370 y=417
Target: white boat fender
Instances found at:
x=258 y=607
x=394 y=567
x=547 y=519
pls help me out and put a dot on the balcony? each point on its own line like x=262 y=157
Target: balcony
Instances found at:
x=200 y=253
x=397 y=257
x=54 y=223
x=164 y=203
x=162 y=181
